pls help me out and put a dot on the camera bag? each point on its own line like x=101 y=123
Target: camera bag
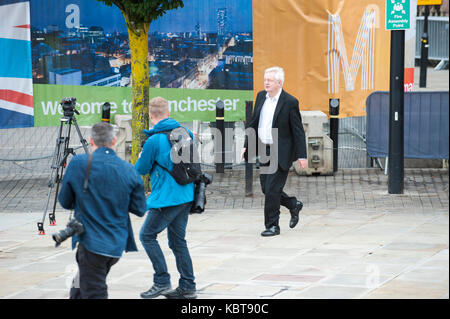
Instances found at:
x=186 y=168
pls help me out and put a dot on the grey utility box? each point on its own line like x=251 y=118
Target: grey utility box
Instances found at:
x=319 y=144
x=124 y=136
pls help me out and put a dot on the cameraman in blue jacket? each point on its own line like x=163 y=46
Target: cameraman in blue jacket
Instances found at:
x=114 y=189
x=169 y=205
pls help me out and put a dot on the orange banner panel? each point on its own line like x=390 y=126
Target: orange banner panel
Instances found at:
x=428 y=2
x=328 y=49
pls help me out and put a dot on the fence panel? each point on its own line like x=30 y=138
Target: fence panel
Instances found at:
x=438 y=35
x=29 y=151
x=426 y=125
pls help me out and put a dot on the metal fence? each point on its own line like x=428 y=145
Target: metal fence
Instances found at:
x=352 y=143
x=438 y=37
x=29 y=151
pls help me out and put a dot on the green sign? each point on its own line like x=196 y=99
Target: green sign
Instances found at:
x=185 y=105
x=398 y=14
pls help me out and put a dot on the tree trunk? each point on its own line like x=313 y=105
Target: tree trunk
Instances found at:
x=138 y=37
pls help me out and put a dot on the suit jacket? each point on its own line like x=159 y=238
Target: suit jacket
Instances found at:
x=288 y=121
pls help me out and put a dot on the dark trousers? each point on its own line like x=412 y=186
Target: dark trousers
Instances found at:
x=92 y=272
x=272 y=186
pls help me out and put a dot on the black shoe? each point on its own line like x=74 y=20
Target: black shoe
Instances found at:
x=294 y=214
x=272 y=231
x=156 y=291
x=181 y=293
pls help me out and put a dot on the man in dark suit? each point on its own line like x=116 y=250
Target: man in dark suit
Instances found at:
x=280 y=140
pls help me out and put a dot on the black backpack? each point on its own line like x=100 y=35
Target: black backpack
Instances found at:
x=186 y=167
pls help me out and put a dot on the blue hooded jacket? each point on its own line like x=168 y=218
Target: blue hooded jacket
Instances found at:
x=165 y=190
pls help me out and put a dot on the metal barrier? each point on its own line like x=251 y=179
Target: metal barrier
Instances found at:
x=28 y=151
x=438 y=37
x=426 y=123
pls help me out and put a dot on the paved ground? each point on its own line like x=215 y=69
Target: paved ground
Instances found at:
x=354 y=240
x=348 y=188
x=437 y=80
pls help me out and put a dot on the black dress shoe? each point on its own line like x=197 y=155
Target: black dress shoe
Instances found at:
x=294 y=214
x=272 y=231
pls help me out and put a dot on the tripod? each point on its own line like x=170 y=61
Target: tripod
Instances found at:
x=59 y=161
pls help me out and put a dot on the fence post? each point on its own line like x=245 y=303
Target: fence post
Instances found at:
x=220 y=126
x=424 y=51
x=248 y=165
x=334 y=130
x=396 y=113
x=106 y=112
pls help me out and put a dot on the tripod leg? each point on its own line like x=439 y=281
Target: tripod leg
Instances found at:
x=82 y=140
x=41 y=230
x=54 y=167
x=59 y=163
x=60 y=170
x=63 y=162
x=41 y=224
x=51 y=184
x=51 y=216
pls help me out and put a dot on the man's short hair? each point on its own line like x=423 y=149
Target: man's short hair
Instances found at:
x=159 y=107
x=279 y=73
x=103 y=134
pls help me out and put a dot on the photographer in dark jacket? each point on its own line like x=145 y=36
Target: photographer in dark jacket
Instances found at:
x=114 y=189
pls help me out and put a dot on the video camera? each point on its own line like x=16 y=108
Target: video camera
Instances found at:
x=68 y=104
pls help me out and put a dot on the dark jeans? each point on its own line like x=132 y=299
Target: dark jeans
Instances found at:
x=92 y=272
x=175 y=219
x=272 y=187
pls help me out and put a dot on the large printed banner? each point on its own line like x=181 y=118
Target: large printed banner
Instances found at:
x=197 y=55
x=329 y=49
x=16 y=86
x=185 y=105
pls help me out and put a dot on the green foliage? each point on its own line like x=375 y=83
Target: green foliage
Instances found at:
x=144 y=11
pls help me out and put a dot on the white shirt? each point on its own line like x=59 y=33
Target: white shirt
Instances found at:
x=266 y=118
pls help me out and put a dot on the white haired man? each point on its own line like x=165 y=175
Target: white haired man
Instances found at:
x=277 y=124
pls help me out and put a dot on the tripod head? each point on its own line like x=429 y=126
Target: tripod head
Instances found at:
x=68 y=104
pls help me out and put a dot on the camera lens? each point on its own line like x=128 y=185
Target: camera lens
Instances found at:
x=63 y=234
x=73 y=227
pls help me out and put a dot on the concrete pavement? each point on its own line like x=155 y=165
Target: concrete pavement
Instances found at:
x=375 y=245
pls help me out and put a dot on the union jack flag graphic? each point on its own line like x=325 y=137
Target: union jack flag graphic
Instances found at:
x=16 y=83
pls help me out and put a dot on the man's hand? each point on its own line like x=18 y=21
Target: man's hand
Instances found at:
x=242 y=153
x=303 y=162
